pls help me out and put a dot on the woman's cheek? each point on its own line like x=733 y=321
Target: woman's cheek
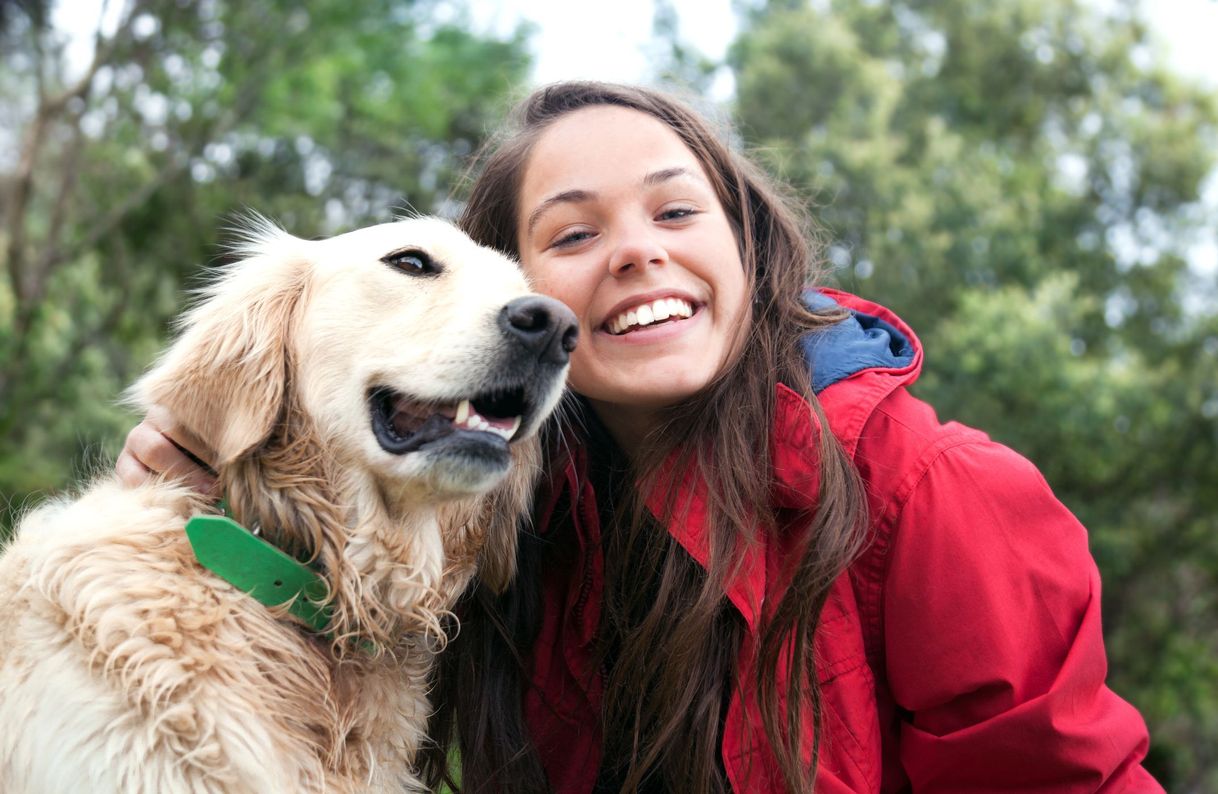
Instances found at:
x=577 y=375
x=543 y=280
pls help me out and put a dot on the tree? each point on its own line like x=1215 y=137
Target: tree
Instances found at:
x=1021 y=179
x=323 y=116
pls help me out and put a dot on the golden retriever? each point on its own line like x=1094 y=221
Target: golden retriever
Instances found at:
x=373 y=399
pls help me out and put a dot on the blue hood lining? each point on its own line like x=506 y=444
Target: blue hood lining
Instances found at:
x=859 y=342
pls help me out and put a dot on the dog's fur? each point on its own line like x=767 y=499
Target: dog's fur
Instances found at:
x=125 y=666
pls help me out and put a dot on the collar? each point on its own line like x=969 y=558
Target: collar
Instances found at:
x=862 y=361
x=794 y=442
x=869 y=338
x=254 y=566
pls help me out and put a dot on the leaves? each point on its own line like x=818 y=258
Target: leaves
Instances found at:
x=128 y=169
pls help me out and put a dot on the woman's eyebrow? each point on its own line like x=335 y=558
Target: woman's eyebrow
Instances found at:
x=663 y=175
x=567 y=196
x=576 y=196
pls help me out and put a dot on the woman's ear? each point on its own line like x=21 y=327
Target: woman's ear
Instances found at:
x=225 y=375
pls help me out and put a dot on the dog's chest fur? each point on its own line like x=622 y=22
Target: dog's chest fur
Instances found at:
x=115 y=642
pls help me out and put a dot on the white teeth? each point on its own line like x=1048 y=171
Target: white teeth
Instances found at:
x=649 y=313
x=469 y=419
x=507 y=432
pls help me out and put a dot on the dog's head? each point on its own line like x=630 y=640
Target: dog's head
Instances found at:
x=425 y=356
x=403 y=361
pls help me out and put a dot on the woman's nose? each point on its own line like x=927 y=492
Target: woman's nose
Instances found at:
x=636 y=246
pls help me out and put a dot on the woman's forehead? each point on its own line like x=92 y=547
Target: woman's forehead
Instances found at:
x=599 y=148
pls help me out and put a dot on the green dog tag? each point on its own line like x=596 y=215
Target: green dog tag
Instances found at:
x=254 y=566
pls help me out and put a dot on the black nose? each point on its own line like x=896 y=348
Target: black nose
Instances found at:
x=545 y=327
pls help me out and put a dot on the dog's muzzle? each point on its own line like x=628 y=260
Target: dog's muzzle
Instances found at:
x=542 y=326
x=540 y=334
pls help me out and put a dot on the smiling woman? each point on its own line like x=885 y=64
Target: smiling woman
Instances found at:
x=617 y=216
x=757 y=564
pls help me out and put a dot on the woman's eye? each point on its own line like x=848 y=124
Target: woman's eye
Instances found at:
x=676 y=213
x=571 y=238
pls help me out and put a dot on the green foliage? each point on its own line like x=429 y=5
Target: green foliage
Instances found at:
x=1021 y=180
x=684 y=68
x=126 y=170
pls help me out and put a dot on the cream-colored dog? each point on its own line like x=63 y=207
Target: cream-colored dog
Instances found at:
x=373 y=400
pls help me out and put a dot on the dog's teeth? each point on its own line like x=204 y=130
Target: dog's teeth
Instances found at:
x=506 y=433
x=462 y=412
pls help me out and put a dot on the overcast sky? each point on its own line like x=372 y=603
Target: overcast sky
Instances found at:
x=608 y=40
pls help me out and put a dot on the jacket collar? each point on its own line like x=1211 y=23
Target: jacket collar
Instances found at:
x=855 y=365
x=794 y=442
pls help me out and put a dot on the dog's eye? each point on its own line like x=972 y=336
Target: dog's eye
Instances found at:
x=412 y=262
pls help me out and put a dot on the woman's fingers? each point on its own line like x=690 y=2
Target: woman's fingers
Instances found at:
x=129 y=470
x=186 y=441
x=158 y=446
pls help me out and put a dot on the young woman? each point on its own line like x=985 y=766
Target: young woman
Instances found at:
x=756 y=563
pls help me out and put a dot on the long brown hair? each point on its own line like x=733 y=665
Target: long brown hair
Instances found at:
x=671 y=646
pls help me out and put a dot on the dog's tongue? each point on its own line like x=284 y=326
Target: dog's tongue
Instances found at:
x=409 y=417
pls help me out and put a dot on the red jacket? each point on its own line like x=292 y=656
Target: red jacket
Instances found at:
x=962 y=652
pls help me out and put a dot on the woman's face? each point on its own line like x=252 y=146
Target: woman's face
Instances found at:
x=618 y=221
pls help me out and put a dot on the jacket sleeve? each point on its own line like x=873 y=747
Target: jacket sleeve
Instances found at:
x=992 y=636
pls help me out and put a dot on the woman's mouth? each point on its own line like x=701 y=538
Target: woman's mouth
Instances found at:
x=650 y=313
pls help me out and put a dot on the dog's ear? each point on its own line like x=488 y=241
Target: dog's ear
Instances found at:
x=224 y=376
x=497 y=562
x=506 y=514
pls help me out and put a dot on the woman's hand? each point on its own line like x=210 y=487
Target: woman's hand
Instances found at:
x=160 y=446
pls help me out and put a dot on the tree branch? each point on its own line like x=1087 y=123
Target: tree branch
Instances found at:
x=59 y=211
x=22 y=184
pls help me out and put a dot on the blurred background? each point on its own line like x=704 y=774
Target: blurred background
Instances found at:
x=1032 y=184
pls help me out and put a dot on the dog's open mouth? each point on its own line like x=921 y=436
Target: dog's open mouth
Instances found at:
x=403 y=425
